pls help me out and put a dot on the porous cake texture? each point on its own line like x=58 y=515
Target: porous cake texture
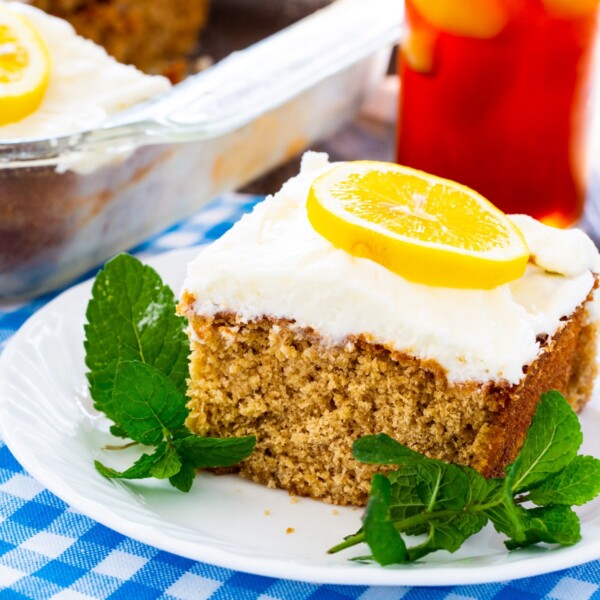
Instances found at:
x=310 y=381
x=156 y=36
x=307 y=401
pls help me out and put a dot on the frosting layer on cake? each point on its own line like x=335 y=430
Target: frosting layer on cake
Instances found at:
x=273 y=263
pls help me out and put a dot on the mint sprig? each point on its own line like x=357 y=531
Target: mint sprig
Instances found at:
x=136 y=353
x=131 y=316
x=449 y=503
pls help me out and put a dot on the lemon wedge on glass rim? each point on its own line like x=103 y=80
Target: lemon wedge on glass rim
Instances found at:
x=427 y=229
x=24 y=67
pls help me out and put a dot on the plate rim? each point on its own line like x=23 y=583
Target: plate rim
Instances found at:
x=371 y=575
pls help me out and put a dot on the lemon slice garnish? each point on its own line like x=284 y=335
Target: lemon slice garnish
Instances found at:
x=24 y=67
x=470 y=18
x=418 y=48
x=427 y=229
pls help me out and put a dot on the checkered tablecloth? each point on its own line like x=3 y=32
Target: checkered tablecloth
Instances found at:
x=49 y=550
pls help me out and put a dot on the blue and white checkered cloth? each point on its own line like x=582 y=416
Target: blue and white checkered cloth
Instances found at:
x=49 y=550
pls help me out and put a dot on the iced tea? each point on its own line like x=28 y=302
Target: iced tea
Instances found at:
x=493 y=95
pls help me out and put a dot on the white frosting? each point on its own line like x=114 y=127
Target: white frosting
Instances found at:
x=86 y=86
x=274 y=263
x=564 y=251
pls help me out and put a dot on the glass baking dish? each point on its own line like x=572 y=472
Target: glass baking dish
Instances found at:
x=67 y=204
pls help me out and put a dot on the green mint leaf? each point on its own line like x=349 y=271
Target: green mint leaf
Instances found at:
x=141 y=469
x=118 y=431
x=184 y=479
x=386 y=544
x=507 y=517
x=405 y=502
x=577 y=483
x=422 y=482
x=131 y=316
x=441 y=486
x=449 y=503
x=425 y=487
x=181 y=433
x=146 y=403
x=481 y=491
x=383 y=450
x=168 y=465
x=552 y=442
x=136 y=350
x=449 y=534
x=555 y=524
x=205 y=452
x=431 y=485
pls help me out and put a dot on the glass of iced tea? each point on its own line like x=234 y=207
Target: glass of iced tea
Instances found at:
x=494 y=95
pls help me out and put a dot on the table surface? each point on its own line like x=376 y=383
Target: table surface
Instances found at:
x=50 y=550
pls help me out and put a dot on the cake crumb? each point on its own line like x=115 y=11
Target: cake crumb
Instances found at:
x=335 y=512
x=290 y=530
x=267 y=513
x=294 y=499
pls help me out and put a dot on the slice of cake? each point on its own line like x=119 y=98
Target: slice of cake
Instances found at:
x=309 y=348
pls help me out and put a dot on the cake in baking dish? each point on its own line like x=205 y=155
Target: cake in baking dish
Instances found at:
x=86 y=86
x=154 y=36
x=309 y=348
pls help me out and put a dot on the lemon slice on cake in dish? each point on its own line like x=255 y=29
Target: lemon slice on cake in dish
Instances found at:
x=427 y=229
x=24 y=67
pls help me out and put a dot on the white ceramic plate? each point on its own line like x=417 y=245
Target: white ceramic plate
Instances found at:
x=47 y=420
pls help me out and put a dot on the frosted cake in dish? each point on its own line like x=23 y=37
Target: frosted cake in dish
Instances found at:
x=86 y=86
x=72 y=200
